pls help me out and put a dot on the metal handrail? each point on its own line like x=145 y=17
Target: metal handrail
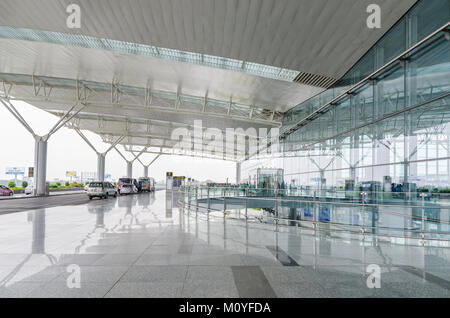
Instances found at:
x=356 y=205
x=315 y=222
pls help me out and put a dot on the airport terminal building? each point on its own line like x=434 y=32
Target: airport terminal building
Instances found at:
x=335 y=115
x=386 y=121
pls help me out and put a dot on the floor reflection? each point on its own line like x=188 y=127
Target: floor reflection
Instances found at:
x=154 y=232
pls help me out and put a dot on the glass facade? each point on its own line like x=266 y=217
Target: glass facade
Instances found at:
x=394 y=130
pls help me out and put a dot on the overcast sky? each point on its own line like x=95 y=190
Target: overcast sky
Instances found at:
x=68 y=152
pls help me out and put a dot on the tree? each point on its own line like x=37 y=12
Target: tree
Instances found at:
x=11 y=184
x=24 y=184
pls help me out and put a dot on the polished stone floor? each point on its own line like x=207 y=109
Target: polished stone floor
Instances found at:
x=146 y=246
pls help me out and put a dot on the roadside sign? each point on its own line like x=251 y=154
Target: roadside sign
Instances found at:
x=71 y=173
x=15 y=170
x=30 y=172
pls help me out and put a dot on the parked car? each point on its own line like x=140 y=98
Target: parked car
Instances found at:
x=101 y=190
x=134 y=185
x=29 y=189
x=5 y=191
x=126 y=189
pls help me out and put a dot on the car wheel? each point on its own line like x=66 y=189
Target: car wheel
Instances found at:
x=90 y=198
x=115 y=194
x=11 y=194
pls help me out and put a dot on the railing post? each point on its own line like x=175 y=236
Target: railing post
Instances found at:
x=189 y=197
x=224 y=202
x=196 y=201
x=423 y=218
x=246 y=204
x=276 y=210
x=208 y=203
x=363 y=230
x=314 y=213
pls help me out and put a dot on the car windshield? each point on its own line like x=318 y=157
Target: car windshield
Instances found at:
x=95 y=185
x=125 y=181
x=126 y=186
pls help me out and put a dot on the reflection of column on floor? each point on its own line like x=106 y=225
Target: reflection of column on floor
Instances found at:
x=292 y=216
x=224 y=234
x=100 y=219
x=363 y=258
x=315 y=251
x=188 y=224
x=38 y=243
x=169 y=204
x=294 y=242
x=208 y=230
x=196 y=227
x=246 y=238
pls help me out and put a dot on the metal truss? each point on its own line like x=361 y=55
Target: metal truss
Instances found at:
x=185 y=153
x=51 y=93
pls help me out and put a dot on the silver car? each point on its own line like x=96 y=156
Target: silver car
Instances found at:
x=101 y=190
x=127 y=189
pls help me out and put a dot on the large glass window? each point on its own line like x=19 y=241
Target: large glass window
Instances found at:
x=389 y=92
x=425 y=17
x=428 y=72
x=391 y=45
x=394 y=132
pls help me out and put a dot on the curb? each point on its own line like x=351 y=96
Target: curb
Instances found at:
x=34 y=197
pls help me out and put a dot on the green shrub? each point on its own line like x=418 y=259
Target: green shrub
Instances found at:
x=11 y=184
x=67 y=183
x=58 y=184
x=24 y=184
x=76 y=185
x=444 y=191
x=53 y=186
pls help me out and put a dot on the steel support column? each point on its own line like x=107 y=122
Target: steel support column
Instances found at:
x=101 y=166
x=129 y=169
x=146 y=171
x=40 y=164
x=238 y=172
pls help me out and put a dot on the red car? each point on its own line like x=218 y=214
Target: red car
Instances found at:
x=5 y=191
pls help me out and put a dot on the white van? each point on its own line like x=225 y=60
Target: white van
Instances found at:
x=101 y=190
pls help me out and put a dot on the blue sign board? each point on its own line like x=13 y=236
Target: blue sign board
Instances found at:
x=15 y=171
